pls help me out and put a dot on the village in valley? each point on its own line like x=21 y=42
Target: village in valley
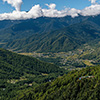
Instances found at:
x=69 y=60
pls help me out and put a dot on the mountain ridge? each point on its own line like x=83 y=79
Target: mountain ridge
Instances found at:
x=26 y=28
x=65 y=39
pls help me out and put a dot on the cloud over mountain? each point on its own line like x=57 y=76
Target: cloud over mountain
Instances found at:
x=14 y=3
x=37 y=11
x=91 y=11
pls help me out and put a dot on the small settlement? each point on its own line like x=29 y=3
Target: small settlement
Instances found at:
x=82 y=77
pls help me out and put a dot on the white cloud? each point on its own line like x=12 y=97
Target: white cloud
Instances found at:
x=15 y=3
x=74 y=12
x=52 y=12
x=91 y=11
x=51 y=6
x=37 y=11
x=93 y=1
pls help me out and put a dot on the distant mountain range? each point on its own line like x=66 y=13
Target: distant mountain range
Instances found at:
x=21 y=29
x=50 y=34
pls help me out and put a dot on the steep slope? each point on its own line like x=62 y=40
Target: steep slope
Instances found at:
x=17 y=72
x=77 y=85
x=13 y=63
x=63 y=40
x=95 y=19
x=11 y=30
x=6 y=23
x=26 y=28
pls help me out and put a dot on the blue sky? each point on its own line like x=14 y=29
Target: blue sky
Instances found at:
x=27 y=4
x=78 y=4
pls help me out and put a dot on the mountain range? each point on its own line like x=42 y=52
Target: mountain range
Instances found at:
x=50 y=34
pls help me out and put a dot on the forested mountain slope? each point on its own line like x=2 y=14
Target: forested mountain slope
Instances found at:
x=77 y=85
x=25 y=64
x=25 y=28
x=50 y=34
x=63 y=40
x=17 y=72
x=6 y=23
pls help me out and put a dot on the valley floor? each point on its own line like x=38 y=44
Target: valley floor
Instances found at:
x=69 y=60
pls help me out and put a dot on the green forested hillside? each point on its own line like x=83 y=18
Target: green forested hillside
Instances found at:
x=11 y=30
x=51 y=34
x=26 y=64
x=78 y=39
x=77 y=85
x=6 y=23
x=63 y=40
x=17 y=72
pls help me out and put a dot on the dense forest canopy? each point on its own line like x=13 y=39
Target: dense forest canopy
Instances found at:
x=17 y=72
x=77 y=85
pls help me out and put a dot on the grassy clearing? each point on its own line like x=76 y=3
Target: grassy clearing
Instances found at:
x=88 y=63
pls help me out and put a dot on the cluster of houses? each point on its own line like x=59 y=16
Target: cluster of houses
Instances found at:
x=82 y=77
